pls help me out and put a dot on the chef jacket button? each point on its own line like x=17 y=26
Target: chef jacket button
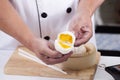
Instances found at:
x=69 y=9
x=44 y=15
x=47 y=38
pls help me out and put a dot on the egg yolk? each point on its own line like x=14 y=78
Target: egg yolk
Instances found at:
x=65 y=40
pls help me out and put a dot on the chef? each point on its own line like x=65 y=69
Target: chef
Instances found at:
x=34 y=23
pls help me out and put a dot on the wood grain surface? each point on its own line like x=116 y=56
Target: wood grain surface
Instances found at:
x=19 y=65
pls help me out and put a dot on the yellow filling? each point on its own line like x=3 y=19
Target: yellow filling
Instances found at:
x=65 y=40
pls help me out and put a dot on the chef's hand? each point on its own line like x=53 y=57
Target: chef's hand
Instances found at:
x=46 y=52
x=82 y=27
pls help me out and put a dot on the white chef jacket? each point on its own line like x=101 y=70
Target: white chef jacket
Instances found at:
x=46 y=18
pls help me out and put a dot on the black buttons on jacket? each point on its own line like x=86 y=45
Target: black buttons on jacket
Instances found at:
x=44 y=15
x=69 y=9
x=47 y=38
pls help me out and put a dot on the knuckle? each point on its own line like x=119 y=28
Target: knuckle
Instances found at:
x=53 y=55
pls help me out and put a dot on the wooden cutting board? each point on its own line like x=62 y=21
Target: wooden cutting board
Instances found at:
x=19 y=65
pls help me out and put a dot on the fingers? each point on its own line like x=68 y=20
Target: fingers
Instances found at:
x=51 y=61
x=50 y=56
x=50 y=51
x=47 y=53
x=83 y=36
x=83 y=40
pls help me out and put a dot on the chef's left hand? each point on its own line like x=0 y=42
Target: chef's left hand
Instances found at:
x=81 y=25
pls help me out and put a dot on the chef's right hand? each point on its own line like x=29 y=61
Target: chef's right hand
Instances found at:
x=46 y=52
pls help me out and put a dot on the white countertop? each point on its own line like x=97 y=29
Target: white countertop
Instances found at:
x=100 y=74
